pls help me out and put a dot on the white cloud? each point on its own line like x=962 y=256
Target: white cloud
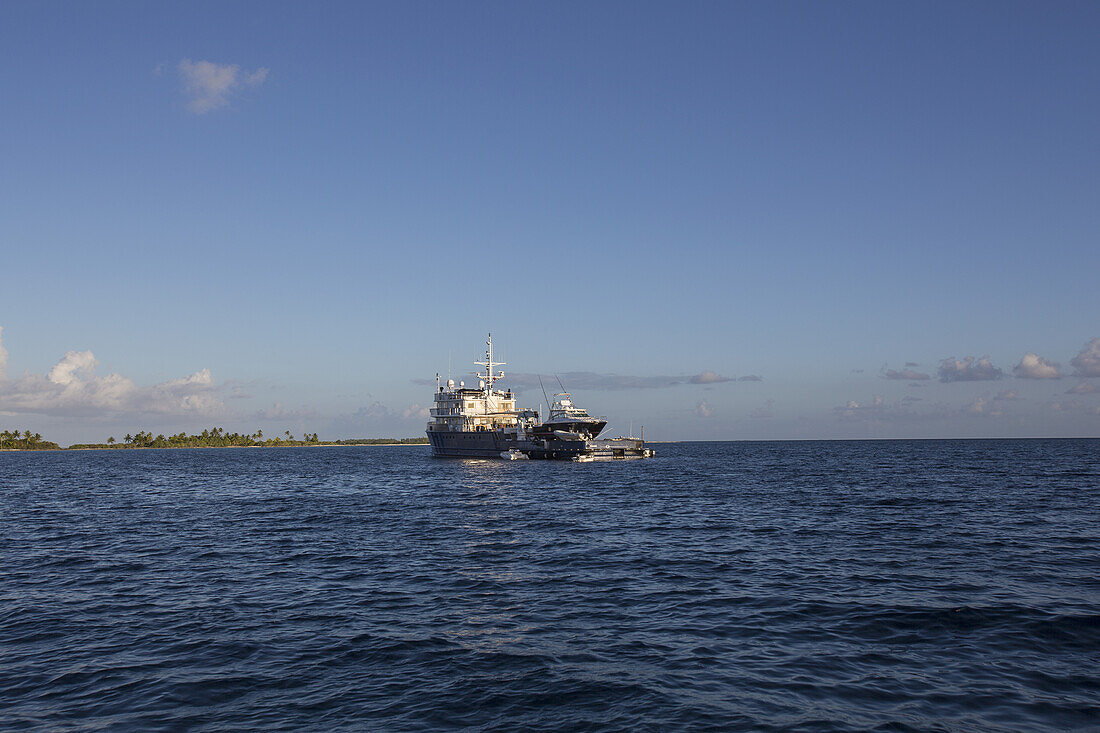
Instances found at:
x=209 y=86
x=968 y=370
x=980 y=406
x=702 y=409
x=879 y=411
x=1083 y=388
x=1033 y=366
x=709 y=377
x=71 y=366
x=991 y=406
x=71 y=388
x=416 y=410
x=1087 y=361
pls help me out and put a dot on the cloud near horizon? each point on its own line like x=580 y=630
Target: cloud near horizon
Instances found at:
x=969 y=370
x=610 y=382
x=72 y=389
x=853 y=409
x=209 y=86
x=1033 y=366
x=1087 y=361
x=990 y=406
x=905 y=374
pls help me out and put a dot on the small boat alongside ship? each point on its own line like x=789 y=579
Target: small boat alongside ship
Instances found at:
x=483 y=422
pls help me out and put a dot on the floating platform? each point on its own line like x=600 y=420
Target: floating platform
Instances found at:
x=581 y=451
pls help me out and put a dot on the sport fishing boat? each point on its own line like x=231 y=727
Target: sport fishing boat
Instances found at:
x=483 y=422
x=568 y=420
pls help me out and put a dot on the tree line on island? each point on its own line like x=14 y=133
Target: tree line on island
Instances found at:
x=26 y=440
x=210 y=438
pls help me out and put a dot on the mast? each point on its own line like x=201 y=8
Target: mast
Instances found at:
x=490 y=376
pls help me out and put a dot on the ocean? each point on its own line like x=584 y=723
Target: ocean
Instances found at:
x=896 y=585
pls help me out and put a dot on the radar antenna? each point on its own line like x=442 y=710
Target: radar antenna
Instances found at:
x=489 y=376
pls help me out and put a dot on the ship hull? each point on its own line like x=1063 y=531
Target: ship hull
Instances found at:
x=492 y=444
x=456 y=444
x=586 y=428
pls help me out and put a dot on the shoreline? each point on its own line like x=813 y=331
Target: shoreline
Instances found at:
x=215 y=447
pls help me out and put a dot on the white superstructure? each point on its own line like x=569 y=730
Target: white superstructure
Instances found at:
x=469 y=409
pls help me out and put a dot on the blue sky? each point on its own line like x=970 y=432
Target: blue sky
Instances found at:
x=320 y=204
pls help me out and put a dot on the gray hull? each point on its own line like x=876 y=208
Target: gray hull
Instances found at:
x=490 y=444
x=448 y=444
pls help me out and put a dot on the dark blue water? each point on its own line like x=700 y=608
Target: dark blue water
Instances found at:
x=820 y=586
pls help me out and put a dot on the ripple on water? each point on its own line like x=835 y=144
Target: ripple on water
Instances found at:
x=925 y=585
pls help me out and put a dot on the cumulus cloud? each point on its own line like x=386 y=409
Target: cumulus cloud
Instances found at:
x=3 y=356
x=1087 y=361
x=1083 y=388
x=417 y=411
x=907 y=374
x=209 y=86
x=980 y=406
x=702 y=409
x=878 y=410
x=709 y=377
x=1033 y=366
x=72 y=388
x=990 y=406
x=968 y=370
x=72 y=366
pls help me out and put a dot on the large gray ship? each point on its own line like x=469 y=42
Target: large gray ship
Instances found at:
x=483 y=422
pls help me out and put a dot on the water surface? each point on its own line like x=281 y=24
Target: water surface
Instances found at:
x=944 y=585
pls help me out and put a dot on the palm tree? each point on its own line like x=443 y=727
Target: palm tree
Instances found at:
x=111 y=440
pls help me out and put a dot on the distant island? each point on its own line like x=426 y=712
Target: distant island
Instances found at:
x=211 y=438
